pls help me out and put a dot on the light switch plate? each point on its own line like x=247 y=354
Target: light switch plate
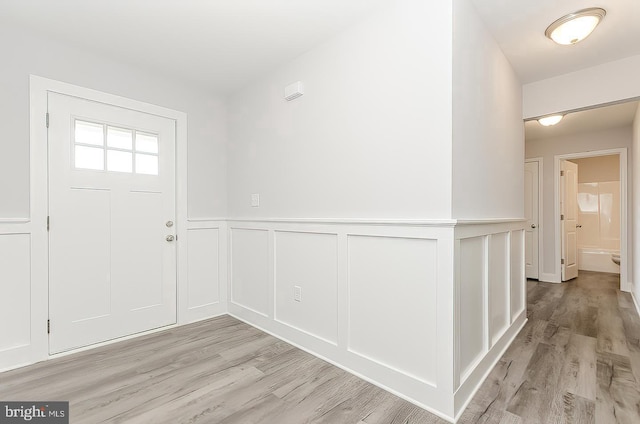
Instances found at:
x=255 y=200
x=297 y=293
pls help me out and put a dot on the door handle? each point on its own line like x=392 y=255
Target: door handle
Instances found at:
x=170 y=238
x=578 y=226
x=533 y=225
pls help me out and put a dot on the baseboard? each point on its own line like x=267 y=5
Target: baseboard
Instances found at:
x=635 y=302
x=490 y=360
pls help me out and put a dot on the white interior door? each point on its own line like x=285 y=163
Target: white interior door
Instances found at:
x=112 y=260
x=531 y=210
x=569 y=218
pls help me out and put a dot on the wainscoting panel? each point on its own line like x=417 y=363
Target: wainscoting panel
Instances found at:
x=16 y=306
x=203 y=267
x=376 y=298
x=518 y=281
x=490 y=287
x=250 y=269
x=392 y=303
x=499 y=285
x=471 y=302
x=306 y=282
x=202 y=282
x=15 y=302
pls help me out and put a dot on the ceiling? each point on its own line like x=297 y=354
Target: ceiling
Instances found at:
x=591 y=120
x=221 y=45
x=518 y=27
x=217 y=44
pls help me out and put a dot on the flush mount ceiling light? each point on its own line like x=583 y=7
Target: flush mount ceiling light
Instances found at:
x=575 y=26
x=547 y=121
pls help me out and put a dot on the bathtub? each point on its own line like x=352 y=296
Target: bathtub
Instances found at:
x=594 y=259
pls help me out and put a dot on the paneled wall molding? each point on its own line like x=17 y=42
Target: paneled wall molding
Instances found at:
x=10 y=221
x=206 y=219
x=351 y=221
x=424 y=311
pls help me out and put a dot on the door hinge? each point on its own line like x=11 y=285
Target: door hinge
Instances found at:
x=47 y=223
x=47 y=119
x=561 y=261
x=48 y=326
x=561 y=172
x=562 y=217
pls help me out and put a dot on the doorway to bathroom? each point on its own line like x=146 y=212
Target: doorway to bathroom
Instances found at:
x=591 y=213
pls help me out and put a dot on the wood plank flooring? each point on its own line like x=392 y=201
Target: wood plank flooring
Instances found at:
x=576 y=361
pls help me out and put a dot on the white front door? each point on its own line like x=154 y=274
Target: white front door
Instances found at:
x=112 y=259
x=531 y=211
x=569 y=218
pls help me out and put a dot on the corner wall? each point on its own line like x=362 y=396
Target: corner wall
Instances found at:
x=488 y=132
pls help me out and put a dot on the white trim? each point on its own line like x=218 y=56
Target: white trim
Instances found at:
x=38 y=90
x=635 y=302
x=352 y=221
x=205 y=219
x=490 y=360
x=14 y=221
x=540 y=161
x=624 y=223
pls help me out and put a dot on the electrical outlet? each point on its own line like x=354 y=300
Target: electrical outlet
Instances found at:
x=255 y=200
x=297 y=293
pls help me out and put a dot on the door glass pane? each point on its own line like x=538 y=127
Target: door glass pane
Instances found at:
x=89 y=158
x=89 y=133
x=146 y=164
x=118 y=161
x=146 y=143
x=119 y=138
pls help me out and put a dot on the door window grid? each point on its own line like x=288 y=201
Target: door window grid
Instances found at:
x=103 y=147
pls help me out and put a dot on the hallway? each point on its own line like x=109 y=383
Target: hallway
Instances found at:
x=576 y=361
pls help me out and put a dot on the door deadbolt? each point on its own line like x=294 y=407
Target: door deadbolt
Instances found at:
x=169 y=224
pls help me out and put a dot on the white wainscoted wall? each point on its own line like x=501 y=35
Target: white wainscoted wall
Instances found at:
x=17 y=341
x=202 y=284
x=203 y=267
x=423 y=309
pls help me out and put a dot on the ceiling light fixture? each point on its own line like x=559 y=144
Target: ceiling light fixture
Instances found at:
x=575 y=26
x=548 y=121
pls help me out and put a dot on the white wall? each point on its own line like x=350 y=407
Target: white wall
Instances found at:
x=609 y=82
x=370 y=138
x=24 y=54
x=488 y=132
x=636 y=207
x=548 y=149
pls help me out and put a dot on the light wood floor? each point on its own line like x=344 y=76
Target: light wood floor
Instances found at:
x=576 y=361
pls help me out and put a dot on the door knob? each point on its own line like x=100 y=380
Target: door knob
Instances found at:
x=533 y=225
x=578 y=226
x=170 y=238
x=169 y=224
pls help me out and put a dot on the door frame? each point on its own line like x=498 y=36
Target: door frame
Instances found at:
x=540 y=162
x=38 y=93
x=624 y=224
